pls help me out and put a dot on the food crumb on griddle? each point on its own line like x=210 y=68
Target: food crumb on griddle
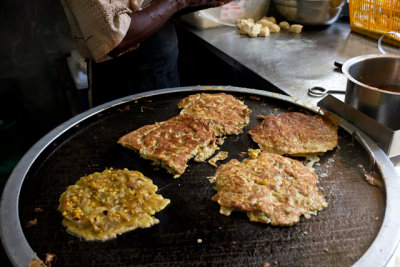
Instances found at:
x=220 y=156
x=220 y=141
x=242 y=154
x=261 y=117
x=199 y=241
x=50 y=258
x=266 y=264
x=373 y=179
x=143 y=107
x=36 y=262
x=255 y=97
x=38 y=209
x=126 y=108
x=326 y=250
x=31 y=223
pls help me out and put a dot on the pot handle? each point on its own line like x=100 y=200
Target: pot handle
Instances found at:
x=381 y=38
x=338 y=64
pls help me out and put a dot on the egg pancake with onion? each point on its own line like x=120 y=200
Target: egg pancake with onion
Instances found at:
x=102 y=205
x=226 y=114
x=296 y=134
x=270 y=188
x=173 y=143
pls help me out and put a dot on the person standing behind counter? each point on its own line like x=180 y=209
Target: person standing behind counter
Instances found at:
x=131 y=46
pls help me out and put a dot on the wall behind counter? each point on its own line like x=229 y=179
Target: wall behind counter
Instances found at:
x=36 y=89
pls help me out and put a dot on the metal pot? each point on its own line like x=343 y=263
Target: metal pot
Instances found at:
x=310 y=12
x=373 y=87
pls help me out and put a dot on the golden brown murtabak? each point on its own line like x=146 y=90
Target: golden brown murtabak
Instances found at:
x=173 y=143
x=296 y=134
x=226 y=114
x=270 y=188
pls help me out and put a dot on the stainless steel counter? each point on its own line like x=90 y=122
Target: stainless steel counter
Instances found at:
x=292 y=62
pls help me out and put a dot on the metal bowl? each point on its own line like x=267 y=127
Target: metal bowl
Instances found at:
x=310 y=12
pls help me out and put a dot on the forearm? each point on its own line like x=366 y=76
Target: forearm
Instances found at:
x=146 y=22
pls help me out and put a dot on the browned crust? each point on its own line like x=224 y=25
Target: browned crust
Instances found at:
x=278 y=187
x=226 y=114
x=294 y=133
x=173 y=142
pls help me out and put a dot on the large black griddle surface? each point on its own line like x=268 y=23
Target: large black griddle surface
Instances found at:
x=191 y=229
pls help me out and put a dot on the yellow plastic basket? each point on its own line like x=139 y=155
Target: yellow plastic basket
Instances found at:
x=375 y=18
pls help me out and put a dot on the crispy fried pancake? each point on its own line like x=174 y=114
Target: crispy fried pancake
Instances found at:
x=227 y=114
x=296 y=134
x=270 y=188
x=101 y=205
x=173 y=143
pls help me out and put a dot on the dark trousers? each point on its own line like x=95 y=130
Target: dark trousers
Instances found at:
x=153 y=65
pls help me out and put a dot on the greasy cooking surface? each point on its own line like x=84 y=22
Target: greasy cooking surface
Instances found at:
x=191 y=230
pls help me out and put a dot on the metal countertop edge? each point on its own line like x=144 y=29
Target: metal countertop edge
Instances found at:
x=378 y=254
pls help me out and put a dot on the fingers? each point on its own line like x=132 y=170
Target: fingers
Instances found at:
x=221 y=2
x=206 y=3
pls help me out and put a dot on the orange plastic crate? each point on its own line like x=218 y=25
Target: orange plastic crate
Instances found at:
x=376 y=17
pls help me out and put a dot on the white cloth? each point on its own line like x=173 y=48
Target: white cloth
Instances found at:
x=98 y=26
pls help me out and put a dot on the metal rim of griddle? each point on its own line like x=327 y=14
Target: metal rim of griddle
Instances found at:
x=21 y=254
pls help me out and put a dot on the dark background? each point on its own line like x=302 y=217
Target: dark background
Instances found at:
x=36 y=89
x=35 y=86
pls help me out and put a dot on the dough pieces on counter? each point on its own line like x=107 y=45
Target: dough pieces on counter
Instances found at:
x=265 y=26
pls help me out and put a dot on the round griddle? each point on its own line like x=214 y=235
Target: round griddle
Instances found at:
x=358 y=226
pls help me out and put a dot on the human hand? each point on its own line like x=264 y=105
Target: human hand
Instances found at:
x=202 y=3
